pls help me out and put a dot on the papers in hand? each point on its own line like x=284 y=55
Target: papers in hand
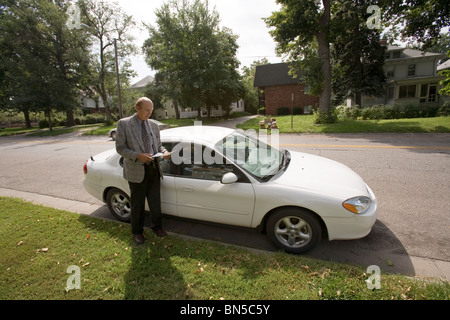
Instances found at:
x=159 y=154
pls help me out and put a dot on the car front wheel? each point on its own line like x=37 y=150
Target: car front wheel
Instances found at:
x=119 y=204
x=294 y=230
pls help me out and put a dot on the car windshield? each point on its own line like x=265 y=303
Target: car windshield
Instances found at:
x=254 y=156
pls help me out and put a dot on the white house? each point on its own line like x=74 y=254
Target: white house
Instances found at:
x=412 y=78
x=168 y=111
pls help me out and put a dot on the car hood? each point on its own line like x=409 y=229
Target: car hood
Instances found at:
x=322 y=175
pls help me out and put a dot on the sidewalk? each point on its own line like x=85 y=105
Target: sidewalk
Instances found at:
x=423 y=267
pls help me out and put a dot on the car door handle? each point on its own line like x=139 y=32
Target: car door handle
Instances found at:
x=187 y=189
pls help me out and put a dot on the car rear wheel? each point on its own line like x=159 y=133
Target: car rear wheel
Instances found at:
x=294 y=230
x=119 y=204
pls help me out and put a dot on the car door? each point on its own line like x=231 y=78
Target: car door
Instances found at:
x=201 y=195
x=168 y=189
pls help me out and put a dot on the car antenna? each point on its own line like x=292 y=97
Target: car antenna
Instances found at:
x=89 y=148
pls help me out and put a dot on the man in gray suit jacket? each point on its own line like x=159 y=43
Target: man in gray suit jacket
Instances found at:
x=137 y=140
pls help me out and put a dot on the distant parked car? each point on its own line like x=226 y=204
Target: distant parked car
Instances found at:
x=225 y=176
x=162 y=126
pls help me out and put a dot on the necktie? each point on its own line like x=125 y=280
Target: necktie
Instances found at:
x=145 y=138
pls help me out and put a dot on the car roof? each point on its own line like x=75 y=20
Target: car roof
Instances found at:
x=209 y=135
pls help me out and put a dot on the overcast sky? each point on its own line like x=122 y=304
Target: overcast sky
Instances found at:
x=243 y=17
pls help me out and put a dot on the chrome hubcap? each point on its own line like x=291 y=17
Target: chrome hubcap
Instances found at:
x=121 y=205
x=293 y=232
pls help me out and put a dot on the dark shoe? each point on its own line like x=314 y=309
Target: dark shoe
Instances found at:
x=160 y=232
x=139 y=238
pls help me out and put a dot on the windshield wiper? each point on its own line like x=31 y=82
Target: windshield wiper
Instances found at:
x=286 y=160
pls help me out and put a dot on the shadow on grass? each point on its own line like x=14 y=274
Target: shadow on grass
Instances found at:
x=381 y=247
x=149 y=273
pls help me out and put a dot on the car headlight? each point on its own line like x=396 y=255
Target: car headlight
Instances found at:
x=357 y=205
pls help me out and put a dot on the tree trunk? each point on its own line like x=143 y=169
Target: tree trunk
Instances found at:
x=177 y=110
x=70 y=118
x=49 y=116
x=324 y=56
x=358 y=99
x=106 y=105
x=26 y=115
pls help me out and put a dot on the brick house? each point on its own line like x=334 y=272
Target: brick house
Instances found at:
x=281 y=90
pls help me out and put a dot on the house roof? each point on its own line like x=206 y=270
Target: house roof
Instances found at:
x=273 y=75
x=411 y=53
x=143 y=82
x=444 y=66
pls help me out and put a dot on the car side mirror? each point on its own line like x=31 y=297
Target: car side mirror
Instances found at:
x=229 y=178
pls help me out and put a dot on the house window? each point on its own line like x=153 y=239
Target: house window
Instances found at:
x=432 y=93
x=390 y=72
x=307 y=109
x=424 y=90
x=390 y=93
x=411 y=69
x=396 y=54
x=407 y=91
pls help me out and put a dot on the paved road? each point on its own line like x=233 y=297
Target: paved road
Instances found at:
x=409 y=173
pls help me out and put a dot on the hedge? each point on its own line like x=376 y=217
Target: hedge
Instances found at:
x=377 y=112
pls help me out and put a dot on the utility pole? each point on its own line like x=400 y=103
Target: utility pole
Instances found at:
x=292 y=111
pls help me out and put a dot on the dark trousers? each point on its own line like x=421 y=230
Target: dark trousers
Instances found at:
x=149 y=188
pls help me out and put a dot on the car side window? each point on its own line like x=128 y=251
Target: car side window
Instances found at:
x=165 y=164
x=206 y=169
x=198 y=162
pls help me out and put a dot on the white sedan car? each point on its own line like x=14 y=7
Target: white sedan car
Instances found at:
x=227 y=176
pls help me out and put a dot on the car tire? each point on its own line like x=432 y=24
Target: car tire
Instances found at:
x=113 y=135
x=119 y=204
x=294 y=230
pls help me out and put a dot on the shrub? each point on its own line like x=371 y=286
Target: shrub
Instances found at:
x=348 y=112
x=381 y=111
x=297 y=110
x=444 y=110
x=283 y=111
x=94 y=118
x=324 y=118
x=57 y=120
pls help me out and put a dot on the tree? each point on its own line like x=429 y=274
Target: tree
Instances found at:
x=110 y=26
x=297 y=26
x=357 y=53
x=195 y=60
x=420 y=21
x=332 y=47
x=251 y=95
x=445 y=84
x=42 y=61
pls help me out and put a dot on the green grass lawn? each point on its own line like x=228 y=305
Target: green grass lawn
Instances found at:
x=286 y=124
x=39 y=244
x=304 y=124
x=36 y=132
